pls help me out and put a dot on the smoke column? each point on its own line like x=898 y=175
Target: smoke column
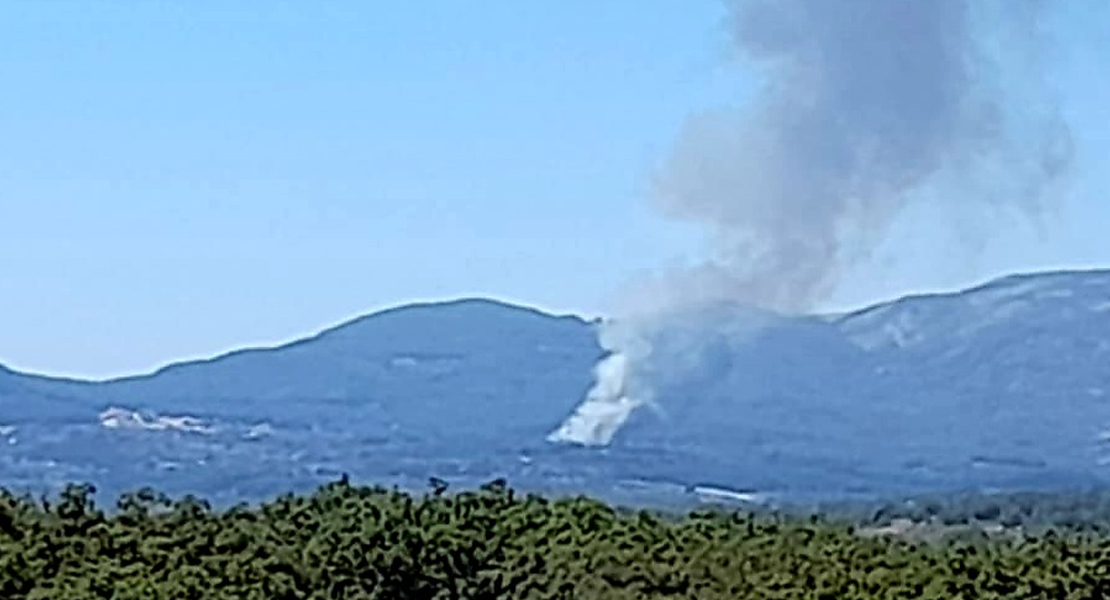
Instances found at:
x=865 y=108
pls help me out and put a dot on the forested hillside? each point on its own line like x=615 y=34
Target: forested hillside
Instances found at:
x=345 y=541
x=998 y=387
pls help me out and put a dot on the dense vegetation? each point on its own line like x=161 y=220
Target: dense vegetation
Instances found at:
x=346 y=541
x=1078 y=510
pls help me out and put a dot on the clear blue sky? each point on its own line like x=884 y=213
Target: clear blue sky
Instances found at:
x=181 y=178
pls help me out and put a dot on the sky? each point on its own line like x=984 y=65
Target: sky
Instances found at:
x=180 y=179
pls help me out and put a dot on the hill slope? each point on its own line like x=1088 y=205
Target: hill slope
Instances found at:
x=1003 y=385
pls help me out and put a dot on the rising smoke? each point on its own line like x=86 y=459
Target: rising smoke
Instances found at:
x=866 y=107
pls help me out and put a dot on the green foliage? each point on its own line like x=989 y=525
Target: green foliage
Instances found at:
x=1072 y=511
x=350 y=542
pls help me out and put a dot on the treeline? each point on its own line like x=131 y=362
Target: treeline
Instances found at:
x=347 y=541
x=1081 y=510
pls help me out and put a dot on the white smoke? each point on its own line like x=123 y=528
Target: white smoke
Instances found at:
x=606 y=408
x=867 y=107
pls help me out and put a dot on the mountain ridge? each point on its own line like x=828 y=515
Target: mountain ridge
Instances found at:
x=836 y=316
x=1000 y=385
x=308 y=338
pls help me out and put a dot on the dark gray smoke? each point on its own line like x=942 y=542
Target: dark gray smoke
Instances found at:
x=866 y=106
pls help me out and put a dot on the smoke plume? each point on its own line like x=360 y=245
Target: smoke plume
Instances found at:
x=865 y=107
